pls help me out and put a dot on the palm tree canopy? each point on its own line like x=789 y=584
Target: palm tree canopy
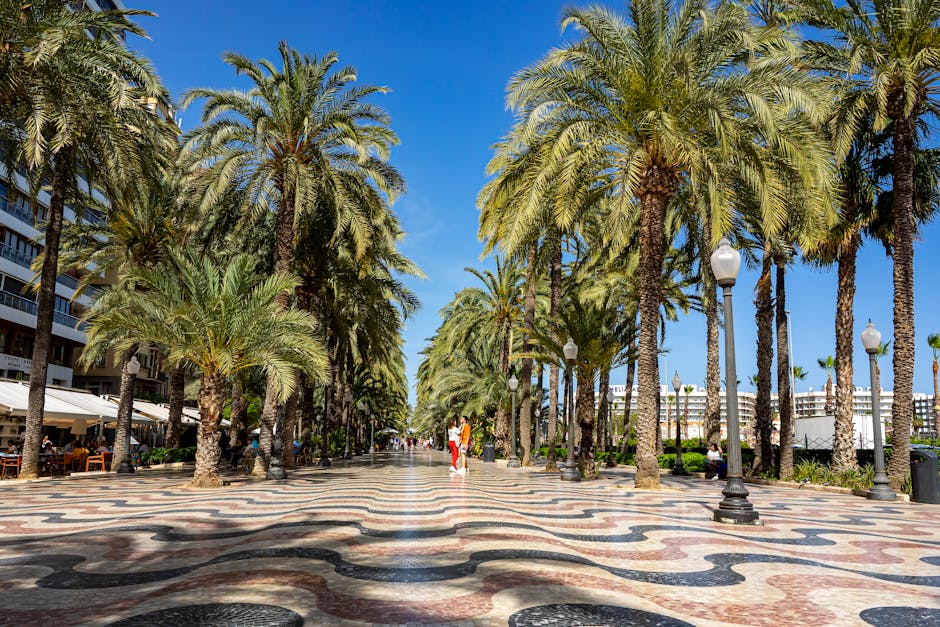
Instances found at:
x=302 y=132
x=218 y=316
x=933 y=340
x=688 y=93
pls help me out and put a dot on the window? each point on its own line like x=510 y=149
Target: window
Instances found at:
x=63 y=305
x=22 y=345
x=15 y=286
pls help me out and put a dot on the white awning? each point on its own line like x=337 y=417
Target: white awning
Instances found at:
x=161 y=413
x=96 y=406
x=14 y=401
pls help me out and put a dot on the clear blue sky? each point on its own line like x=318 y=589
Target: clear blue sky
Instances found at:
x=447 y=64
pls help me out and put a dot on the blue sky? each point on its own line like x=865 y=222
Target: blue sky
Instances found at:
x=447 y=64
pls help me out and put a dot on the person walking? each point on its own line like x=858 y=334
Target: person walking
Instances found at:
x=453 y=443
x=464 y=467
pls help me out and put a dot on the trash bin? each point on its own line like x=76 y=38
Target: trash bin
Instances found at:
x=925 y=483
x=489 y=452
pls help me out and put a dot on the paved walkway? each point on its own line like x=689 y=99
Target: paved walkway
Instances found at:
x=398 y=540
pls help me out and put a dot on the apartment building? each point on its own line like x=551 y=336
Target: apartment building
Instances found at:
x=19 y=246
x=813 y=403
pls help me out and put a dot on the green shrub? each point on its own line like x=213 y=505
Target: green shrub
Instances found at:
x=692 y=462
x=169 y=455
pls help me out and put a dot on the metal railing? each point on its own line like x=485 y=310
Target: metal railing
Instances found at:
x=19 y=211
x=16 y=256
x=29 y=306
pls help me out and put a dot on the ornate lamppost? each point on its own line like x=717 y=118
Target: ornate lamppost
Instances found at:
x=513 y=458
x=881 y=490
x=276 y=467
x=734 y=508
x=679 y=469
x=571 y=472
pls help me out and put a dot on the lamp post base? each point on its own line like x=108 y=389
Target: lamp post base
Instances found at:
x=513 y=462
x=679 y=471
x=124 y=468
x=735 y=509
x=324 y=462
x=276 y=469
x=878 y=492
x=571 y=472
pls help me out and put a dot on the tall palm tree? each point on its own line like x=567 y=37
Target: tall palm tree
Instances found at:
x=828 y=363
x=496 y=309
x=175 y=303
x=888 y=54
x=933 y=340
x=646 y=103
x=303 y=133
x=71 y=105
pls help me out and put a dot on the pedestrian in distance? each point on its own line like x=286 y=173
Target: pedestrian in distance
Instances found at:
x=453 y=443
x=464 y=466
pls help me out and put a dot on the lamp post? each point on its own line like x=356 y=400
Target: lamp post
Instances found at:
x=539 y=435
x=132 y=367
x=361 y=407
x=513 y=458
x=679 y=469
x=734 y=508
x=610 y=429
x=276 y=467
x=571 y=472
x=371 y=431
x=881 y=490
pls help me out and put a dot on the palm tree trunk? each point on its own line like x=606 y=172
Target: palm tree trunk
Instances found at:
x=123 y=423
x=525 y=410
x=685 y=418
x=784 y=398
x=936 y=393
x=238 y=412
x=903 y=256
x=603 y=410
x=843 y=445
x=652 y=215
x=584 y=411
x=283 y=254
x=501 y=432
x=712 y=420
x=45 y=307
x=288 y=424
x=627 y=400
x=174 y=423
x=211 y=403
x=554 y=312
x=763 y=303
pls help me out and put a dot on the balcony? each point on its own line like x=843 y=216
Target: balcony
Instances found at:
x=20 y=212
x=22 y=259
x=29 y=306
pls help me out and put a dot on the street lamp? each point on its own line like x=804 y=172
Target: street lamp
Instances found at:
x=276 y=467
x=132 y=367
x=880 y=491
x=571 y=471
x=734 y=508
x=539 y=435
x=513 y=459
x=679 y=469
x=362 y=407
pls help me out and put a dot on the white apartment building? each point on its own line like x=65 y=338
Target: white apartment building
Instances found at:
x=808 y=404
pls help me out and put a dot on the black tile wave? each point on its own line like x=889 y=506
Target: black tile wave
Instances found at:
x=63 y=574
x=578 y=614
x=902 y=616
x=217 y=615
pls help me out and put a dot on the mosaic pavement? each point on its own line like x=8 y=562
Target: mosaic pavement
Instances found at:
x=398 y=540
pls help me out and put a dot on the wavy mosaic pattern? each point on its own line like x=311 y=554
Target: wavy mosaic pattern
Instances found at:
x=397 y=540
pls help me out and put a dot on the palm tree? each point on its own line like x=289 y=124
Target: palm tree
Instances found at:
x=302 y=137
x=494 y=309
x=888 y=54
x=71 y=104
x=691 y=124
x=933 y=340
x=828 y=363
x=174 y=303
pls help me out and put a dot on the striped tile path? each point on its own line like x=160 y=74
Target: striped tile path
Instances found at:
x=396 y=539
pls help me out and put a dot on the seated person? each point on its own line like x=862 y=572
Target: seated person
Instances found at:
x=103 y=446
x=236 y=452
x=46 y=445
x=11 y=448
x=70 y=446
